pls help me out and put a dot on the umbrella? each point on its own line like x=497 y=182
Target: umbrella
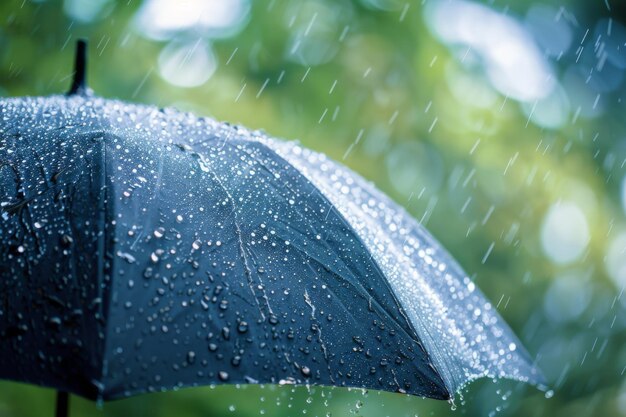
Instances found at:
x=146 y=249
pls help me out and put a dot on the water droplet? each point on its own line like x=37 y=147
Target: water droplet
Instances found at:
x=452 y=404
x=242 y=327
x=55 y=322
x=126 y=256
x=66 y=240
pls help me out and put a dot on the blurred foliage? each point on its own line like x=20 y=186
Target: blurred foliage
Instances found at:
x=373 y=87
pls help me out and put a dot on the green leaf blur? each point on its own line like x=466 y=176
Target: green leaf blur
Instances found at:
x=372 y=86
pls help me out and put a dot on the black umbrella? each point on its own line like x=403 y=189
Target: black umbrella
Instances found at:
x=146 y=249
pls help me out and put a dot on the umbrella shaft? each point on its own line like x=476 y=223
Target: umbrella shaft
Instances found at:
x=63 y=401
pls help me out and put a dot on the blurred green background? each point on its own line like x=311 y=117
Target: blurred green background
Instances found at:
x=499 y=124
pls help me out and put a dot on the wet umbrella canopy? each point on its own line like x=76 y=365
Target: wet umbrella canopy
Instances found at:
x=146 y=249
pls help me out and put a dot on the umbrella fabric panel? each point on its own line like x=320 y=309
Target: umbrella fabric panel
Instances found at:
x=458 y=326
x=52 y=307
x=231 y=267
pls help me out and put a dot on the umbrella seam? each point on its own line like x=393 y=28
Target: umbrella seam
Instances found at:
x=105 y=208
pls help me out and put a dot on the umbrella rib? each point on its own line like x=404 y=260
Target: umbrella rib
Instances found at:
x=104 y=210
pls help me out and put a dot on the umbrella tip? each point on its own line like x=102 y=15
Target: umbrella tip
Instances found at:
x=79 y=82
